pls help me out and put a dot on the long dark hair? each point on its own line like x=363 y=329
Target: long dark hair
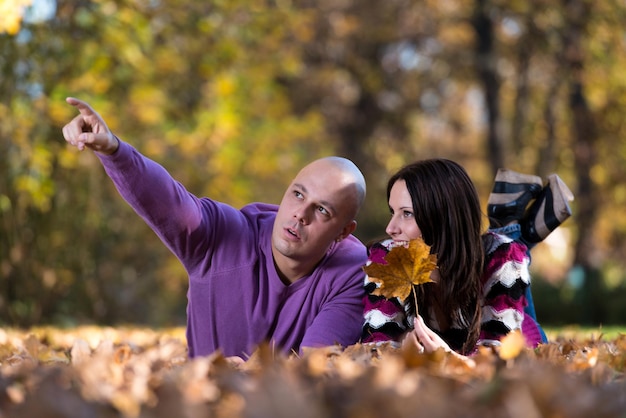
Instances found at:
x=447 y=211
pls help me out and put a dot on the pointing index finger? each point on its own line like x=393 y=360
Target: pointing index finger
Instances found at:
x=82 y=107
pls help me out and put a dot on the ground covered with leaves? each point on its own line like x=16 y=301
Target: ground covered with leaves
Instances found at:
x=128 y=372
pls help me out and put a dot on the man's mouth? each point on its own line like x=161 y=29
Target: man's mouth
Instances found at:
x=293 y=232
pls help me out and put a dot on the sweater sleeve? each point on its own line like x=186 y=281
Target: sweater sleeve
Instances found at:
x=342 y=308
x=164 y=204
x=504 y=282
x=384 y=319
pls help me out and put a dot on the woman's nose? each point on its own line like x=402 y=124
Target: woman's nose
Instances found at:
x=392 y=228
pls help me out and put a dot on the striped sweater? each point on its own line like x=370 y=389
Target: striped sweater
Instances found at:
x=504 y=282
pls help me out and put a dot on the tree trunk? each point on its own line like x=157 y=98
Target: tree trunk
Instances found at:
x=520 y=109
x=486 y=62
x=584 y=133
x=547 y=154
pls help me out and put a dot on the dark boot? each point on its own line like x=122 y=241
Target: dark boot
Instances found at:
x=548 y=211
x=511 y=194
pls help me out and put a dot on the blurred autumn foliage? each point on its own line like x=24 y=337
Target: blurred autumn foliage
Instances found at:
x=132 y=373
x=232 y=97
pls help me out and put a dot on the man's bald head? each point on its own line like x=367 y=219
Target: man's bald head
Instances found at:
x=344 y=174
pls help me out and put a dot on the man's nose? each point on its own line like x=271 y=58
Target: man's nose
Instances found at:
x=302 y=215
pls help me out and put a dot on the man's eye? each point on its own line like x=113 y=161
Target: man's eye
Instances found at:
x=322 y=210
x=297 y=194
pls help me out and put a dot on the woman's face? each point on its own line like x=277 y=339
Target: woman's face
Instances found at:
x=402 y=226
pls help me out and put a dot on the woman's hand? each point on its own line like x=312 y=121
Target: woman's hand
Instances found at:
x=427 y=340
x=424 y=338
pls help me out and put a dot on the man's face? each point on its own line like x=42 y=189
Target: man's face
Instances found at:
x=318 y=208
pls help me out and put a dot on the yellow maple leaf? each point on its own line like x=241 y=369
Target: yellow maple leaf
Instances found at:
x=406 y=266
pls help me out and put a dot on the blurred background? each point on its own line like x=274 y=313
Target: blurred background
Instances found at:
x=234 y=96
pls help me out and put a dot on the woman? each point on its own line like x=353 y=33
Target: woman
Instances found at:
x=478 y=290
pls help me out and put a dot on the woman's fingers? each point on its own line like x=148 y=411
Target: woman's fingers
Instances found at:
x=410 y=339
x=427 y=337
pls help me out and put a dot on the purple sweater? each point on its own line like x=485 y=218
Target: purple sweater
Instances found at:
x=236 y=299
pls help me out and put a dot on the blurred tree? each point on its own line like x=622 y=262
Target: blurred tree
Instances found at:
x=486 y=62
x=11 y=13
x=233 y=97
x=183 y=82
x=585 y=137
x=392 y=77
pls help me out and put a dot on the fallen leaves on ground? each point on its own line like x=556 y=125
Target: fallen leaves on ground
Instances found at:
x=137 y=373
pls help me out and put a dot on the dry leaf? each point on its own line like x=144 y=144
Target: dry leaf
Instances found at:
x=135 y=375
x=512 y=345
x=80 y=352
x=406 y=266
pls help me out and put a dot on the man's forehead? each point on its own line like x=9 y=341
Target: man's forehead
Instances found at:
x=318 y=165
x=322 y=197
x=329 y=180
x=325 y=171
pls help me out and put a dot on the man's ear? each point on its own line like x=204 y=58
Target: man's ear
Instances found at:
x=349 y=228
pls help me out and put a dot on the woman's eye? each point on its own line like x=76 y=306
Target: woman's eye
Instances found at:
x=408 y=214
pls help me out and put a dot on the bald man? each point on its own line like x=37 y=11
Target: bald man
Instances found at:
x=290 y=275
